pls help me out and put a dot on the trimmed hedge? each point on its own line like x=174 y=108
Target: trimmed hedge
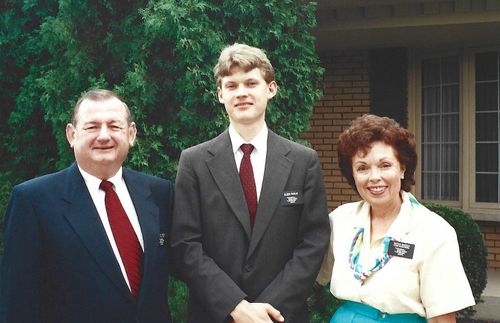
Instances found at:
x=473 y=253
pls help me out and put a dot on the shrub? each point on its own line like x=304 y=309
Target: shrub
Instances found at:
x=322 y=304
x=472 y=249
x=178 y=294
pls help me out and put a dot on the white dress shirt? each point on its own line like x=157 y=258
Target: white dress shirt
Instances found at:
x=121 y=190
x=258 y=156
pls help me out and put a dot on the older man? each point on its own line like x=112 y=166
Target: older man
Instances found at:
x=88 y=243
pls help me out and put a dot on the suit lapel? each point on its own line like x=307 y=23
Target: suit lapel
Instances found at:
x=224 y=171
x=276 y=174
x=148 y=214
x=83 y=217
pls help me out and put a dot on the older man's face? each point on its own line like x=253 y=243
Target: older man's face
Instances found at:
x=101 y=137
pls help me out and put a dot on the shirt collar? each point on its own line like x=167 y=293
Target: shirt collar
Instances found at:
x=398 y=228
x=259 y=142
x=401 y=224
x=94 y=182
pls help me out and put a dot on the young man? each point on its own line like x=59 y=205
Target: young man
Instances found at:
x=250 y=223
x=87 y=244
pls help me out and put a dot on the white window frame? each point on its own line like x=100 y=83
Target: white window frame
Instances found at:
x=467 y=152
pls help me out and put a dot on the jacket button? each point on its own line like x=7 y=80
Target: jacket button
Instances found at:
x=248 y=267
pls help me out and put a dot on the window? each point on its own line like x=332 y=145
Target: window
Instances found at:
x=487 y=113
x=440 y=128
x=454 y=109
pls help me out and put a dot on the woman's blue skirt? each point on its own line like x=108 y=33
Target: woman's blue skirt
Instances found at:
x=353 y=312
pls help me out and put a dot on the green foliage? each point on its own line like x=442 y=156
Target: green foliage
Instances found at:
x=322 y=304
x=473 y=250
x=158 y=56
x=178 y=294
x=6 y=184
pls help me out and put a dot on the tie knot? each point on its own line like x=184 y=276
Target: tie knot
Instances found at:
x=247 y=149
x=106 y=186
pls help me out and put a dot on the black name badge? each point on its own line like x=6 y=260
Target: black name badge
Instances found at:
x=401 y=249
x=291 y=198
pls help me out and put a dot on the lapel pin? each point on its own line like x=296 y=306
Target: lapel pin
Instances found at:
x=162 y=239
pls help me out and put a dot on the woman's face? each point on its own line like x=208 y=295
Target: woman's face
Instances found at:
x=378 y=175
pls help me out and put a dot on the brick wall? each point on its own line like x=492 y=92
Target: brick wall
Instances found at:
x=345 y=97
x=491 y=234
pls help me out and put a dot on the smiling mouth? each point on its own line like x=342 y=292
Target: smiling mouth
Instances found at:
x=243 y=104
x=377 y=190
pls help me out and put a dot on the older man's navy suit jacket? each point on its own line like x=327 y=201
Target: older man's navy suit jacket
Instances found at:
x=58 y=264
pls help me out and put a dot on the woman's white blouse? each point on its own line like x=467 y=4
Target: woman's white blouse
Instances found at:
x=432 y=283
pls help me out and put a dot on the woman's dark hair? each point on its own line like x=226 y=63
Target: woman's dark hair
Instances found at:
x=366 y=130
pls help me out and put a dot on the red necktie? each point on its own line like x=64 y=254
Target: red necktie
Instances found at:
x=248 y=181
x=126 y=240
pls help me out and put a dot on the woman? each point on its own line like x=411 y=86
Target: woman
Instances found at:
x=390 y=258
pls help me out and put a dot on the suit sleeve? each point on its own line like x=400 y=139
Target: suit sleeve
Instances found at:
x=20 y=273
x=207 y=281
x=289 y=289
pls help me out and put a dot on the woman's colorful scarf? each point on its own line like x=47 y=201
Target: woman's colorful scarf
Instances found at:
x=354 y=253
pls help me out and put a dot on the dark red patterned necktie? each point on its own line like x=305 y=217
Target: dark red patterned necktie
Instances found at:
x=248 y=181
x=125 y=237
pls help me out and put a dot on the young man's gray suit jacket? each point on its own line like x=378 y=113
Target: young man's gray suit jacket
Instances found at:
x=219 y=255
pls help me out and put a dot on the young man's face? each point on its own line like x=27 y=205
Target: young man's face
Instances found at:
x=245 y=96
